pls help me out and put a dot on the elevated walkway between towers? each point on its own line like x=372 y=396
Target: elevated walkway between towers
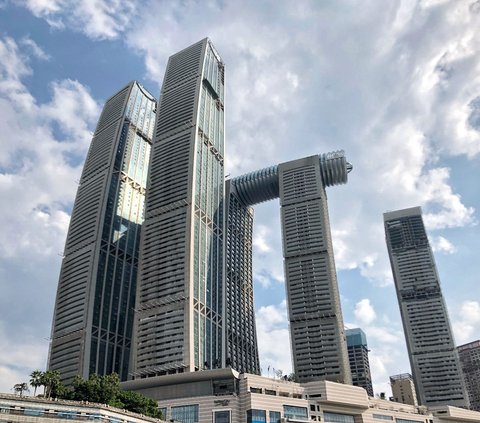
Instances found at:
x=263 y=185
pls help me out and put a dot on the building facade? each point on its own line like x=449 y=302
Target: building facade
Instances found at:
x=226 y=396
x=403 y=389
x=179 y=309
x=317 y=334
x=431 y=349
x=358 y=358
x=241 y=347
x=93 y=317
x=470 y=361
x=14 y=409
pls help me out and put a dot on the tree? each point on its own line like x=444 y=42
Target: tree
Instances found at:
x=36 y=380
x=53 y=386
x=292 y=377
x=133 y=401
x=106 y=390
x=20 y=388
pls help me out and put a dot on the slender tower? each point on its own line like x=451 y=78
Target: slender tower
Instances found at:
x=431 y=349
x=179 y=294
x=359 y=362
x=316 y=324
x=93 y=318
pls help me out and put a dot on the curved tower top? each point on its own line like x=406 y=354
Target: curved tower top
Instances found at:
x=263 y=185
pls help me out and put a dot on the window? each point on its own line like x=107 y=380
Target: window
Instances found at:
x=274 y=416
x=382 y=417
x=337 y=418
x=163 y=412
x=408 y=421
x=256 y=416
x=185 y=413
x=293 y=412
x=222 y=416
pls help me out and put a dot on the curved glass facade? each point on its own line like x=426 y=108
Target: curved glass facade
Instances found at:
x=93 y=319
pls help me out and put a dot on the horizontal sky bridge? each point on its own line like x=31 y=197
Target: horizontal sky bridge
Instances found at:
x=263 y=185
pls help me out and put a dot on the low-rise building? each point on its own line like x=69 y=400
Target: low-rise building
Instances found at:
x=403 y=389
x=15 y=409
x=226 y=396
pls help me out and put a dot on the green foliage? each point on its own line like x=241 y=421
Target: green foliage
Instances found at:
x=36 y=380
x=106 y=390
x=99 y=389
x=53 y=386
x=292 y=377
x=20 y=388
x=133 y=401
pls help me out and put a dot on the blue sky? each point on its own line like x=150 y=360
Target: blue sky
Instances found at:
x=397 y=87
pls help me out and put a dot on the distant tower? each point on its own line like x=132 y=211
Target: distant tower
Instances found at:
x=433 y=357
x=93 y=318
x=470 y=360
x=358 y=357
x=179 y=295
x=403 y=389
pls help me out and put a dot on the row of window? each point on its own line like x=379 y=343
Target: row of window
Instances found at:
x=60 y=414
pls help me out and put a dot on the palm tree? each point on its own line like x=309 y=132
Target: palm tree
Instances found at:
x=36 y=380
x=51 y=380
x=20 y=388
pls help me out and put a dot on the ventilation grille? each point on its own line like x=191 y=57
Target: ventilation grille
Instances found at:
x=113 y=109
x=86 y=213
x=100 y=153
x=169 y=172
x=300 y=183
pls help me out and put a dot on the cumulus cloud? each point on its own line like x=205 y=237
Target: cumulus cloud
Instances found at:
x=34 y=158
x=274 y=338
x=42 y=149
x=364 y=311
x=442 y=244
x=34 y=48
x=98 y=19
x=467 y=322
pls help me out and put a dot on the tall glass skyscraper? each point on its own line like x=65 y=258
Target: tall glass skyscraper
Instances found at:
x=180 y=290
x=93 y=318
x=431 y=349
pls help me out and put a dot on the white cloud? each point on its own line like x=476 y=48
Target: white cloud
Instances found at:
x=19 y=358
x=260 y=239
x=467 y=322
x=98 y=19
x=364 y=311
x=33 y=158
x=274 y=338
x=441 y=244
x=42 y=149
x=34 y=48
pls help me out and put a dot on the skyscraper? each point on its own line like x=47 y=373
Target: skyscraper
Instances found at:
x=93 y=318
x=470 y=361
x=358 y=357
x=433 y=357
x=403 y=389
x=316 y=324
x=179 y=307
x=241 y=347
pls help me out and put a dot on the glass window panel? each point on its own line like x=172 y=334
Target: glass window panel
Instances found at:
x=185 y=413
x=337 y=418
x=256 y=416
x=293 y=412
x=221 y=416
